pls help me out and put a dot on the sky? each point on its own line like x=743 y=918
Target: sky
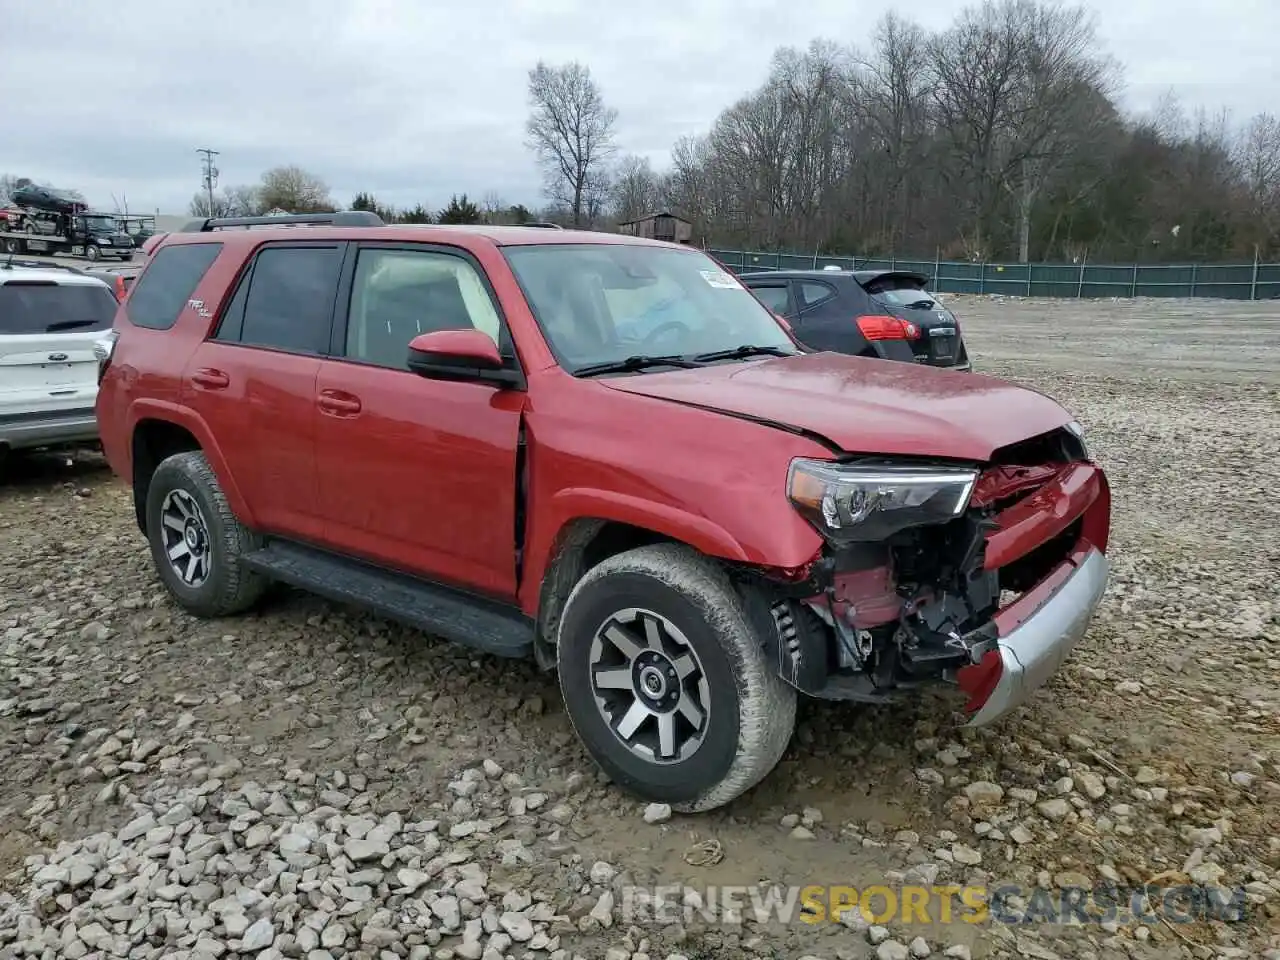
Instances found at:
x=415 y=100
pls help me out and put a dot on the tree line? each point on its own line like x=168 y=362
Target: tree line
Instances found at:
x=292 y=189
x=999 y=137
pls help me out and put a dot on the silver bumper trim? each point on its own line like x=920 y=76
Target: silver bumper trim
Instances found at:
x=1034 y=650
x=74 y=426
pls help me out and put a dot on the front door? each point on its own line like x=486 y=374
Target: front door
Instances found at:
x=417 y=474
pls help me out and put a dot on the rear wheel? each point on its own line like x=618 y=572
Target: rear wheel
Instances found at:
x=196 y=541
x=666 y=682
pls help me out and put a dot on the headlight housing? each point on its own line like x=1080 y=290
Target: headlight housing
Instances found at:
x=1077 y=429
x=855 y=503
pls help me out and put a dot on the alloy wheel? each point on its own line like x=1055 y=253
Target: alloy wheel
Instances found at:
x=186 y=537
x=650 y=686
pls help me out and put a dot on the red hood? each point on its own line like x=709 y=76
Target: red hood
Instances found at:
x=863 y=405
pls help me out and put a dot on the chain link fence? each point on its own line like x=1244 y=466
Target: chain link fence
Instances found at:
x=1246 y=281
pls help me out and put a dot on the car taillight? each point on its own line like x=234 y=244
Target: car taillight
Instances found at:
x=888 y=328
x=119 y=287
x=103 y=349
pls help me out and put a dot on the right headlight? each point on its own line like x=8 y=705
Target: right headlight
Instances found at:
x=851 y=503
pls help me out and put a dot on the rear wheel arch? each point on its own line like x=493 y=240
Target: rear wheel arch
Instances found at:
x=153 y=442
x=158 y=434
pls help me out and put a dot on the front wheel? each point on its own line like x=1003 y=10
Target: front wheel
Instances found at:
x=667 y=683
x=92 y=252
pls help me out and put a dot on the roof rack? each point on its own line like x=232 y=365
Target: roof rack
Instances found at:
x=10 y=262
x=342 y=218
x=544 y=224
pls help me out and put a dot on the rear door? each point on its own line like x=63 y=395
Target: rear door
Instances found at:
x=47 y=332
x=254 y=381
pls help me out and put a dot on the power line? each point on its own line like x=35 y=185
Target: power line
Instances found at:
x=210 y=173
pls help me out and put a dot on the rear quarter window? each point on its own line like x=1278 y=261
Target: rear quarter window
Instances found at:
x=28 y=307
x=167 y=283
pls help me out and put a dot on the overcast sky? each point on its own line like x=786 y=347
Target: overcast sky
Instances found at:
x=416 y=99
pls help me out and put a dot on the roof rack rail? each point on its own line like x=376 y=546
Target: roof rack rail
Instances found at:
x=11 y=261
x=342 y=218
x=544 y=224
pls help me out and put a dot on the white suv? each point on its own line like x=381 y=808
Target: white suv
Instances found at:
x=50 y=318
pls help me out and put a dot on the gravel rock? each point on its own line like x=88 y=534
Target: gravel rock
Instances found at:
x=311 y=783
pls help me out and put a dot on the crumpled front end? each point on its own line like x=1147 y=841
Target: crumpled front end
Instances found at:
x=992 y=601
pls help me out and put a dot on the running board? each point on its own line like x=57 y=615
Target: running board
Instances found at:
x=451 y=614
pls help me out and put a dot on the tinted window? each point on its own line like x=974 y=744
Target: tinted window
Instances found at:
x=775 y=298
x=168 y=282
x=812 y=293
x=290 y=300
x=47 y=307
x=398 y=294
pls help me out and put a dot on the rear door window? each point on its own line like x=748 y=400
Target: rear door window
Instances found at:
x=813 y=293
x=168 y=282
x=35 y=306
x=775 y=296
x=289 y=301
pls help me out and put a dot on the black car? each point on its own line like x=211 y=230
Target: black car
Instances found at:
x=874 y=313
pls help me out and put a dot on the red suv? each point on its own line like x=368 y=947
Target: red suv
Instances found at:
x=604 y=453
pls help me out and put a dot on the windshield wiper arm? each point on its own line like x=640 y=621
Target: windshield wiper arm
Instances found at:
x=638 y=362
x=68 y=325
x=746 y=350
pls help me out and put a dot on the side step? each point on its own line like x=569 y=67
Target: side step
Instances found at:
x=476 y=622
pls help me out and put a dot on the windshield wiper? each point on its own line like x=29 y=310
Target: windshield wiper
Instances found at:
x=638 y=362
x=746 y=350
x=68 y=325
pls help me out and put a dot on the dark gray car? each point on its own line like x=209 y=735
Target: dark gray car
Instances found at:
x=875 y=313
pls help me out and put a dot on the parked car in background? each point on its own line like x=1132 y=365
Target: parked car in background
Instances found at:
x=119 y=279
x=872 y=313
x=50 y=318
x=603 y=453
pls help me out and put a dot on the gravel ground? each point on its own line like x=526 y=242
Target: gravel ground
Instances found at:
x=308 y=782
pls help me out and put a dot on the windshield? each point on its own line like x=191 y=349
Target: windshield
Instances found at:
x=601 y=303
x=100 y=224
x=45 y=307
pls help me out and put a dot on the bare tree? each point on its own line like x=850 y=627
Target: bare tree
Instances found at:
x=571 y=131
x=294 y=190
x=894 y=87
x=635 y=189
x=241 y=201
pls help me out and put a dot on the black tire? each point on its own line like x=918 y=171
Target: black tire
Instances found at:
x=229 y=586
x=12 y=245
x=751 y=712
x=92 y=253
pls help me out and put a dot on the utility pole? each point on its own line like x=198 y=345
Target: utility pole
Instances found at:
x=210 y=174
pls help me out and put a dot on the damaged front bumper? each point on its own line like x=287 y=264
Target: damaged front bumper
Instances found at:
x=1034 y=635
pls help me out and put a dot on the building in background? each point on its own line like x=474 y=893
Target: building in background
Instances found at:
x=659 y=226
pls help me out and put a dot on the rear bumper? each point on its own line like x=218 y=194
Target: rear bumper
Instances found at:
x=1036 y=633
x=26 y=430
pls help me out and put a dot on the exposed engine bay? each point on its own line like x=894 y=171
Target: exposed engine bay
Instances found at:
x=875 y=619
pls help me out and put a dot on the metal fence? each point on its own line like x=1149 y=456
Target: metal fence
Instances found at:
x=1247 y=281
